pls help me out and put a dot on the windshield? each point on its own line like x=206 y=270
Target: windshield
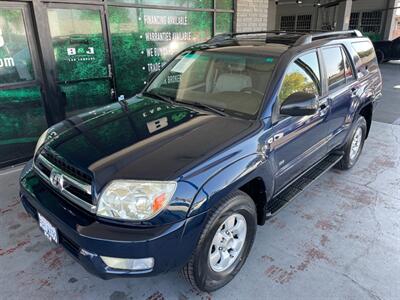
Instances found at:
x=233 y=83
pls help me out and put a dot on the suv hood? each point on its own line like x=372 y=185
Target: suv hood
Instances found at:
x=142 y=138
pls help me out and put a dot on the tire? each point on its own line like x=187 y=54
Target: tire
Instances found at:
x=208 y=275
x=380 y=56
x=351 y=157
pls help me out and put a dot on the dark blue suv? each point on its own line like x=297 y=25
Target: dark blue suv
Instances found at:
x=226 y=134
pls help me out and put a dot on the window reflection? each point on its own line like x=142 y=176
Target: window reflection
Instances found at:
x=15 y=57
x=144 y=39
x=81 y=58
x=78 y=43
x=348 y=68
x=335 y=67
x=302 y=75
x=233 y=82
x=177 y=3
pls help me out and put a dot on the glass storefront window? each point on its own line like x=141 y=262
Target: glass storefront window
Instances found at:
x=81 y=58
x=144 y=39
x=22 y=121
x=223 y=23
x=177 y=3
x=22 y=116
x=224 y=4
x=78 y=44
x=15 y=59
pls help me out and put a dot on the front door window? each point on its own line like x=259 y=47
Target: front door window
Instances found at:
x=302 y=75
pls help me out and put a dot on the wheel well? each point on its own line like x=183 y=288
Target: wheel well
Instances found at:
x=256 y=190
x=380 y=52
x=366 y=112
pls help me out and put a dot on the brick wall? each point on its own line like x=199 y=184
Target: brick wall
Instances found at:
x=251 y=15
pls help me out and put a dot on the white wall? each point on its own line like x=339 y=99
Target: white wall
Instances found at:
x=251 y=15
x=271 y=22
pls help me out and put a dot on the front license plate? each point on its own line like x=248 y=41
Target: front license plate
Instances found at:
x=49 y=230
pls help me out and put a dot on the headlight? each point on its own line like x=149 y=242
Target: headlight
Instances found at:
x=41 y=140
x=135 y=200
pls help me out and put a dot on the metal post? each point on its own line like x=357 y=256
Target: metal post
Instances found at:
x=343 y=15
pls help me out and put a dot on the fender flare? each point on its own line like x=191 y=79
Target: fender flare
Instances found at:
x=357 y=105
x=232 y=178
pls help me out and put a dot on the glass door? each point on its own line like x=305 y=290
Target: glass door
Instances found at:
x=22 y=115
x=81 y=56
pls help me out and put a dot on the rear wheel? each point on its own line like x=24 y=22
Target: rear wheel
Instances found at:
x=380 y=56
x=224 y=244
x=353 y=147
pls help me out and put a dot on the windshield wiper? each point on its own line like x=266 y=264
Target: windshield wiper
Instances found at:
x=217 y=110
x=158 y=96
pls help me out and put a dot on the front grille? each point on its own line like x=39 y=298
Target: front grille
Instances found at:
x=74 y=189
x=66 y=167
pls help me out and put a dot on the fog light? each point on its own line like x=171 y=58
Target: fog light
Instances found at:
x=134 y=264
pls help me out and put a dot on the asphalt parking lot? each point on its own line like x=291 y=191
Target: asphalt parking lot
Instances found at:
x=389 y=110
x=339 y=240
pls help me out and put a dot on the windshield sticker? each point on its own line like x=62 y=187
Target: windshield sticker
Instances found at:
x=183 y=64
x=178 y=116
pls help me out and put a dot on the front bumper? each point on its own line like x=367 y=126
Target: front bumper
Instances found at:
x=86 y=239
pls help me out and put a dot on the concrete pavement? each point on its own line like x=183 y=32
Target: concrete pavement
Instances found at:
x=388 y=111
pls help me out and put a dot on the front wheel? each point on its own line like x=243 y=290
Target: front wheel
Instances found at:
x=224 y=244
x=353 y=147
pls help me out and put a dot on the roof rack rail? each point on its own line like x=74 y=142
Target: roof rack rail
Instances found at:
x=308 y=38
x=226 y=36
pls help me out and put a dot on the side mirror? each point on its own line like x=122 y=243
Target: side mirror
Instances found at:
x=300 y=104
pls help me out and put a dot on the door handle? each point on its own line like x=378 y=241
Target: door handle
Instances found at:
x=323 y=107
x=278 y=136
x=275 y=137
x=323 y=111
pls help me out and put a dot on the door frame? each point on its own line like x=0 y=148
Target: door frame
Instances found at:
x=52 y=69
x=34 y=52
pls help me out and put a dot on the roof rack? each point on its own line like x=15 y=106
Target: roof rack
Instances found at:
x=308 y=38
x=227 y=36
x=305 y=37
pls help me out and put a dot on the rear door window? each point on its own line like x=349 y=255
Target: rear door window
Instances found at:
x=348 y=68
x=335 y=67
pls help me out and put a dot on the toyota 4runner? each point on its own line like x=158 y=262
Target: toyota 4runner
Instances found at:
x=226 y=134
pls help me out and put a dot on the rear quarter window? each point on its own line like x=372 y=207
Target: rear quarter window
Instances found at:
x=366 y=52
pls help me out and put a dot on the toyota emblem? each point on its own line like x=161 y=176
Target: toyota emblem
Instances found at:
x=56 y=179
